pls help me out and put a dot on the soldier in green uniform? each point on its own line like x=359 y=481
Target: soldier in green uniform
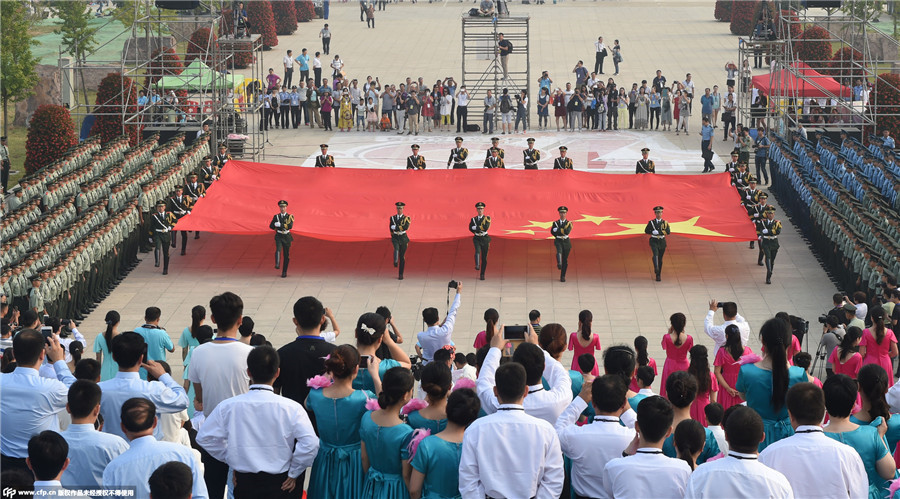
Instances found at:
x=494 y=160
x=768 y=230
x=532 y=155
x=415 y=161
x=479 y=226
x=161 y=224
x=324 y=160
x=282 y=223
x=657 y=229
x=560 y=230
x=399 y=224
x=36 y=298
x=180 y=205
x=645 y=164
x=495 y=144
x=81 y=200
x=458 y=156
x=562 y=162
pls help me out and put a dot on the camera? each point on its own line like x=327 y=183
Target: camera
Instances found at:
x=453 y=285
x=364 y=361
x=823 y=319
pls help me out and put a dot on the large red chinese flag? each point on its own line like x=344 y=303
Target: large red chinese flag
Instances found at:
x=346 y=204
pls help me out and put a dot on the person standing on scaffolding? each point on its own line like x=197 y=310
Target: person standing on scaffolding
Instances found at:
x=505 y=48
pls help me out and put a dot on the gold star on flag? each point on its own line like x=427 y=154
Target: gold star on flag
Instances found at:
x=691 y=227
x=596 y=220
x=520 y=232
x=542 y=225
x=629 y=229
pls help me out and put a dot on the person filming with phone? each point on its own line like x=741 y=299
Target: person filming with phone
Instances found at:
x=370 y=335
x=731 y=316
x=437 y=336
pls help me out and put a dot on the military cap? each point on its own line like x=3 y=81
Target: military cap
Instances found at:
x=563 y=148
x=282 y=203
x=763 y=195
x=222 y=146
x=192 y=175
x=179 y=187
x=770 y=209
x=160 y=203
x=323 y=146
x=3 y=138
x=657 y=208
x=495 y=139
x=530 y=140
x=849 y=307
x=399 y=204
x=414 y=146
x=646 y=149
x=751 y=178
x=479 y=205
x=458 y=139
x=562 y=208
x=735 y=153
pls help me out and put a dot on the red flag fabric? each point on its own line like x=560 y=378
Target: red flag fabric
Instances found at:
x=346 y=204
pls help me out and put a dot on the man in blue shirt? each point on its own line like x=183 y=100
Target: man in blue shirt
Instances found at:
x=156 y=338
x=581 y=74
x=90 y=451
x=303 y=60
x=284 y=102
x=545 y=81
x=762 y=145
x=29 y=402
x=886 y=140
x=706 y=105
x=295 y=107
x=706 y=134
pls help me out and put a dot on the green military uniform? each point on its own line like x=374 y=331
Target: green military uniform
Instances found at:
x=645 y=165
x=657 y=229
x=479 y=226
x=560 y=230
x=324 y=160
x=458 y=156
x=767 y=231
x=532 y=156
x=562 y=162
x=36 y=298
x=399 y=224
x=415 y=162
x=282 y=223
x=161 y=224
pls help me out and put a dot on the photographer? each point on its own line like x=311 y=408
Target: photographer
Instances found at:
x=838 y=309
x=66 y=332
x=832 y=334
x=436 y=336
x=729 y=313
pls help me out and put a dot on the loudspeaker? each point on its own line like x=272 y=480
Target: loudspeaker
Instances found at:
x=823 y=4
x=177 y=4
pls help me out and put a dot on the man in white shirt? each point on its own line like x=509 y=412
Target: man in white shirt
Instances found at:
x=509 y=453
x=47 y=459
x=593 y=445
x=646 y=471
x=234 y=430
x=437 y=336
x=90 y=451
x=288 y=62
x=541 y=403
x=739 y=473
x=29 y=402
x=462 y=369
x=815 y=465
x=133 y=467
x=168 y=396
x=219 y=372
x=717 y=332
x=600 y=54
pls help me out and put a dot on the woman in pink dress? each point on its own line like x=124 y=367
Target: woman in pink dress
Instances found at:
x=640 y=346
x=878 y=344
x=844 y=358
x=707 y=388
x=583 y=341
x=676 y=344
x=728 y=364
x=491 y=316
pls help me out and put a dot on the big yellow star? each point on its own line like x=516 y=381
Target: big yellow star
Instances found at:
x=520 y=232
x=542 y=225
x=596 y=220
x=691 y=227
x=629 y=229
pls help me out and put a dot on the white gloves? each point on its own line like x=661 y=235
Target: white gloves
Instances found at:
x=655 y=232
x=473 y=227
x=765 y=231
x=393 y=227
x=277 y=224
x=554 y=229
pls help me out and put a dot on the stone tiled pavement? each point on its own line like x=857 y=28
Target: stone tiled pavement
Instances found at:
x=611 y=278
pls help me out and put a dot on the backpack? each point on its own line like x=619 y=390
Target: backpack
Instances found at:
x=505 y=104
x=510 y=45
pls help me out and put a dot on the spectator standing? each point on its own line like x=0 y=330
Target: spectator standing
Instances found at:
x=599 y=54
x=716 y=105
x=288 y=62
x=317 y=69
x=303 y=62
x=706 y=152
x=436 y=336
x=581 y=74
x=706 y=105
x=504 y=48
x=219 y=372
x=617 y=56
x=370 y=16
x=522 y=111
x=684 y=112
x=462 y=109
x=490 y=103
x=325 y=35
x=731 y=316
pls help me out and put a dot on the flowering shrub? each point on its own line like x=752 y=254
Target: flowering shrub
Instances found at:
x=201 y=44
x=723 y=10
x=742 y=20
x=51 y=133
x=886 y=99
x=163 y=62
x=814 y=47
x=305 y=10
x=843 y=64
x=285 y=17
x=115 y=94
x=262 y=21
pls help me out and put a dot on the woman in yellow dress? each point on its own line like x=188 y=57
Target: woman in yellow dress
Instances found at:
x=346 y=112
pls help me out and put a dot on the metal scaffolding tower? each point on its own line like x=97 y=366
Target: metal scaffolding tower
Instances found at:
x=481 y=66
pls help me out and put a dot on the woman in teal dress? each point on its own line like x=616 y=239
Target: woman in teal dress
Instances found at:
x=435 y=462
x=436 y=383
x=386 y=438
x=764 y=384
x=188 y=342
x=337 y=471
x=370 y=329
x=682 y=388
x=868 y=441
x=108 y=366
x=873 y=385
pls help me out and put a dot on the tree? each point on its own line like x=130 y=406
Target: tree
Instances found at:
x=17 y=74
x=742 y=17
x=128 y=11
x=78 y=39
x=50 y=134
x=867 y=11
x=262 y=21
x=723 y=10
x=814 y=48
x=886 y=99
x=201 y=45
x=285 y=17
x=306 y=12
x=116 y=97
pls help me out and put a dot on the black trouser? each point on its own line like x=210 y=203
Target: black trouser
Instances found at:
x=400 y=243
x=263 y=119
x=161 y=243
x=707 y=154
x=370 y=22
x=285 y=116
x=729 y=121
x=295 y=116
x=462 y=118
x=304 y=75
x=598 y=62
x=254 y=485
x=632 y=108
x=317 y=76
x=757 y=58
x=145 y=229
x=326 y=119
x=563 y=248
x=612 y=119
x=761 y=168
x=654 y=111
x=4 y=175
x=362 y=10
x=13 y=463
x=183 y=240
x=288 y=77
x=326 y=44
x=658 y=248
x=215 y=474
x=283 y=250
x=482 y=245
x=770 y=251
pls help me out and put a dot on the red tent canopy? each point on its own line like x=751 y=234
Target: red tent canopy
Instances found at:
x=812 y=84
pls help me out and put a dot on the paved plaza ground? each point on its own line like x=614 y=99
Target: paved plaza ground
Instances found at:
x=611 y=278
